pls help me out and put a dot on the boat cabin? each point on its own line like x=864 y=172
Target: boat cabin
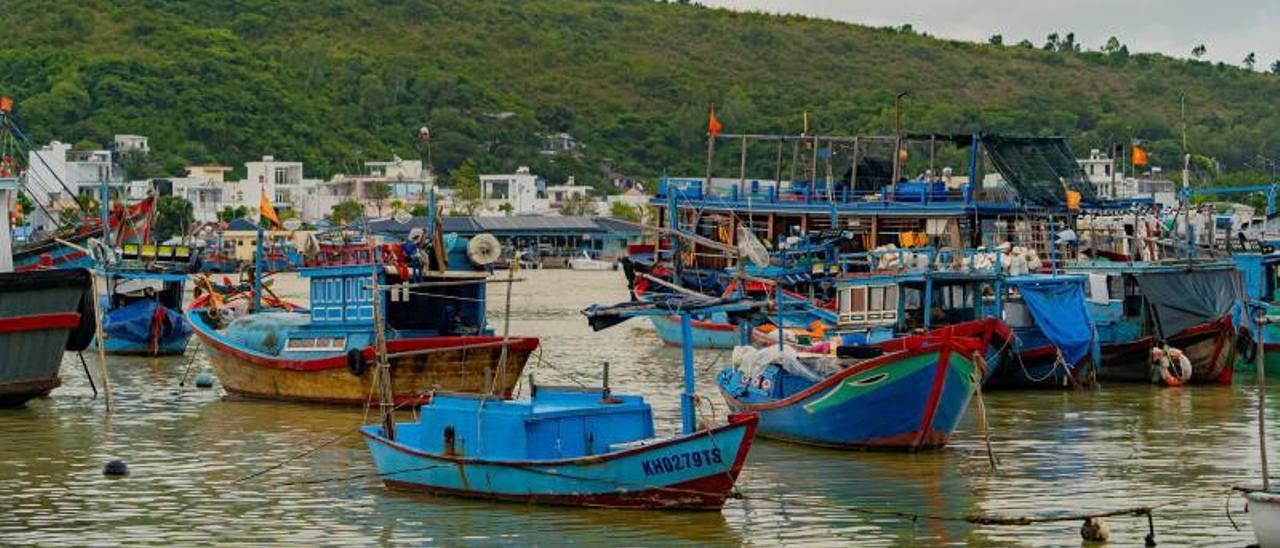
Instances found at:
x=555 y=423
x=883 y=304
x=433 y=304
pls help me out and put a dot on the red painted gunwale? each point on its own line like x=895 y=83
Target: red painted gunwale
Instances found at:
x=36 y=322
x=523 y=344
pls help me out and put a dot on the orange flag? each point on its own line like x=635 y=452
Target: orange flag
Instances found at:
x=267 y=210
x=713 y=125
x=1139 y=156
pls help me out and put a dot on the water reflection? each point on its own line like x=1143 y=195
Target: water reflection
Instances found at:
x=1059 y=452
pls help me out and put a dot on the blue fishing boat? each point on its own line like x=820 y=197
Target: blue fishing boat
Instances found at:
x=1258 y=271
x=1140 y=307
x=909 y=397
x=713 y=332
x=568 y=446
x=1056 y=341
x=143 y=313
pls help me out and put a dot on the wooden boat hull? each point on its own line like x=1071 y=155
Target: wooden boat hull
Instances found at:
x=447 y=364
x=1039 y=367
x=688 y=472
x=39 y=311
x=119 y=347
x=1209 y=346
x=705 y=334
x=910 y=400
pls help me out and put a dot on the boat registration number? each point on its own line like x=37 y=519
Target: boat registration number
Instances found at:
x=681 y=461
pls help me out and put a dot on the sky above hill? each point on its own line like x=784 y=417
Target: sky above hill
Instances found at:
x=1229 y=29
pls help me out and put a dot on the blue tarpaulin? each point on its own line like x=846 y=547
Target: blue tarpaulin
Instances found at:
x=135 y=321
x=1059 y=309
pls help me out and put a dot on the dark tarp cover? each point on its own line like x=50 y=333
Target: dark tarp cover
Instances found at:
x=1186 y=298
x=134 y=322
x=1058 y=306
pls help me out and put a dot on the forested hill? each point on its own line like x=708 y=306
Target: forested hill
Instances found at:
x=337 y=82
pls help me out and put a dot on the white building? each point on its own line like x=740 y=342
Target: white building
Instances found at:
x=405 y=181
x=206 y=188
x=1109 y=183
x=125 y=143
x=56 y=173
x=559 y=143
x=519 y=189
x=557 y=195
x=283 y=181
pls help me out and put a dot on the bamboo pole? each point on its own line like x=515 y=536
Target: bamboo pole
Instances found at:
x=102 y=348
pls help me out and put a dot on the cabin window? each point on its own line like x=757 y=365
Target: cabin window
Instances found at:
x=868 y=303
x=317 y=344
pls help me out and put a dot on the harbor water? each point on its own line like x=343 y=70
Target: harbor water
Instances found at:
x=1059 y=453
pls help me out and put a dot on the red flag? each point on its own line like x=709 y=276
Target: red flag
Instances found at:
x=713 y=125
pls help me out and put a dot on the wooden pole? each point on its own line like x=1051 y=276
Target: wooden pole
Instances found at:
x=102 y=349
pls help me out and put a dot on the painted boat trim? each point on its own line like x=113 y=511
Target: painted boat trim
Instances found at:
x=218 y=343
x=736 y=420
x=37 y=322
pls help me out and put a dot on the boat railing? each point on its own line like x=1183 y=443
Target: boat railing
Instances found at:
x=935 y=260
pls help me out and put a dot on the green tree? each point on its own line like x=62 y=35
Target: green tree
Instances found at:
x=419 y=210
x=1198 y=51
x=1275 y=67
x=1250 y=60
x=578 y=205
x=379 y=191
x=1051 y=42
x=174 y=217
x=1112 y=46
x=229 y=213
x=996 y=40
x=506 y=208
x=467 y=194
x=623 y=210
x=140 y=165
x=346 y=212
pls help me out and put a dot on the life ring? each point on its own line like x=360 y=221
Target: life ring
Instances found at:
x=1171 y=366
x=355 y=362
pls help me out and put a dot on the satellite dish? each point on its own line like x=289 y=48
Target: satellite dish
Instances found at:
x=751 y=248
x=483 y=249
x=292 y=224
x=403 y=217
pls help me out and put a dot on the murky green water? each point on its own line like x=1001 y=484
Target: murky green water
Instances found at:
x=1060 y=452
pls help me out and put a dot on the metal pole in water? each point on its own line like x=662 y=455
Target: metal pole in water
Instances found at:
x=1262 y=402
x=688 y=409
